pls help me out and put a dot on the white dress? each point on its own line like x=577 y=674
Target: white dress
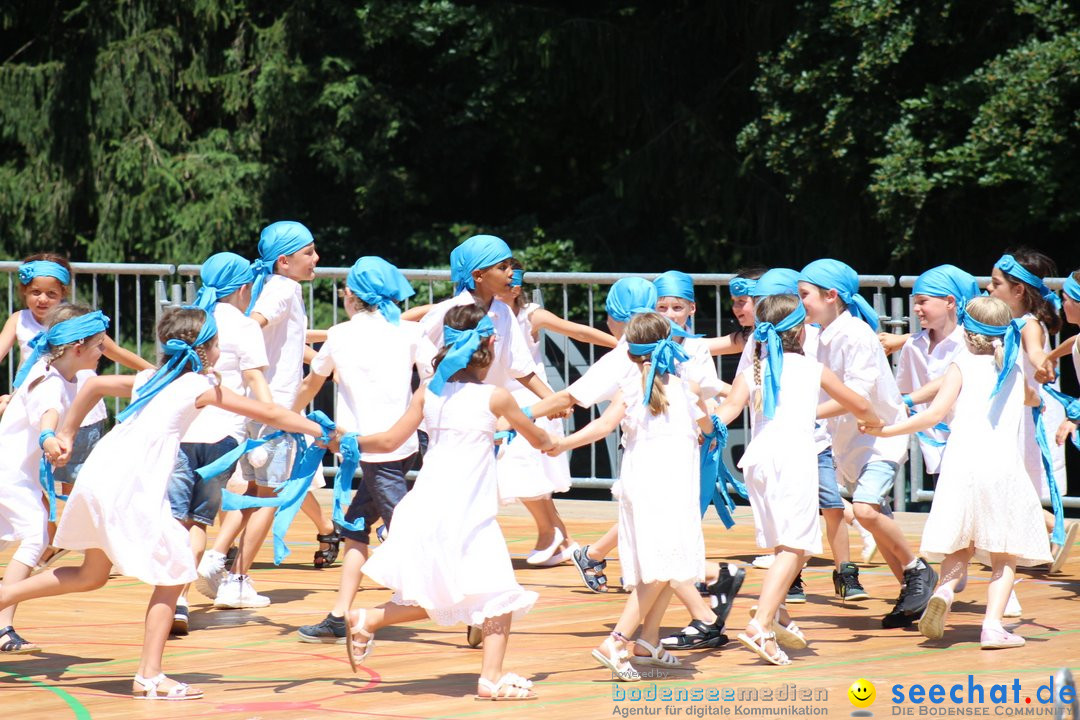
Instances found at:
x=660 y=535
x=525 y=472
x=983 y=495
x=119 y=504
x=1053 y=416
x=447 y=553
x=780 y=463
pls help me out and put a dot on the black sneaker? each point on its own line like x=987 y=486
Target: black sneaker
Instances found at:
x=797 y=592
x=722 y=592
x=331 y=630
x=846 y=582
x=696 y=635
x=917 y=588
x=897 y=618
x=180 y=621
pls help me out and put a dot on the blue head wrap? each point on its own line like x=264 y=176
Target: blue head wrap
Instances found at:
x=222 y=275
x=62 y=333
x=663 y=354
x=462 y=344
x=1011 y=342
x=179 y=354
x=476 y=253
x=835 y=275
x=1072 y=289
x=675 y=284
x=281 y=238
x=37 y=268
x=769 y=333
x=1008 y=265
x=947 y=280
x=741 y=286
x=630 y=296
x=378 y=283
x=517 y=278
x=778 y=281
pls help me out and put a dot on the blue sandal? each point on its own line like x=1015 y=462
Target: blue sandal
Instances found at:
x=592 y=571
x=16 y=644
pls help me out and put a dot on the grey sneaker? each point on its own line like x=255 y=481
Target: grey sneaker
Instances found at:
x=331 y=631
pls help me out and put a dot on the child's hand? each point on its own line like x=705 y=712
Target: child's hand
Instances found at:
x=875 y=430
x=501 y=424
x=1046 y=372
x=1067 y=428
x=890 y=343
x=557 y=448
x=57 y=450
x=4 y=400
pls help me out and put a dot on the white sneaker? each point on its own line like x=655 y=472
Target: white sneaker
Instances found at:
x=763 y=561
x=238 y=592
x=211 y=573
x=1012 y=608
x=869 y=544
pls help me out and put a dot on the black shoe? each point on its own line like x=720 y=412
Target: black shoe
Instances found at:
x=917 y=588
x=722 y=592
x=846 y=582
x=897 y=618
x=331 y=630
x=797 y=592
x=696 y=635
x=180 y=621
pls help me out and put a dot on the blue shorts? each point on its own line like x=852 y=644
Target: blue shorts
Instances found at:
x=279 y=458
x=875 y=484
x=828 y=491
x=381 y=489
x=85 y=440
x=190 y=496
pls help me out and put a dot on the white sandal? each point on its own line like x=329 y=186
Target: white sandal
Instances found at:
x=509 y=687
x=358 y=651
x=756 y=643
x=790 y=635
x=615 y=660
x=657 y=657
x=150 y=691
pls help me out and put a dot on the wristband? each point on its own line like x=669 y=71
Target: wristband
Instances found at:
x=907 y=401
x=528 y=412
x=45 y=435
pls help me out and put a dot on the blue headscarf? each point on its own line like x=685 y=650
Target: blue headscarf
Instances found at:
x=1011 y=343
x=222 y=275
x=741 y=286
x=630 y=296
x=674 y=283
x=462 y=344
x=179 y=354
x=1072 y=289
x=37 y=268
x=281 y=238
x=835 y=275
x=476 y=253
x=62 y=333
x=517 y=278
x=778 y=281
x=1008 y=265
x=769 y=334
x=945 y=280
x=377 y=282
x=664 y=355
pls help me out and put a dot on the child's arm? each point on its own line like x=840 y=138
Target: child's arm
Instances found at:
x=598 y=429
x=891 y=342
x=266 y=413
x=704 y=423
x=542 y=319
x=731 y=344
x=850 y=400
x=53 y=448
x=399 y=432
x=554 y=404
x=503 y=404
x=927 y=392
x=735 y=402
x=1063 y=349
x=534 y=383
x=7 y=334
x=416 y=313
x=255 y=381
x=314 y=336
x=309 y=387
x=1031 y=396
x=1067 y=428
x=1032 y=335
x=94 y=389
x=125 y=357
x=951 y=383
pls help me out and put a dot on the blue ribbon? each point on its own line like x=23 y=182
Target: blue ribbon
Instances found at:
x=941 y=427
x=462 y=344
x=1072 y=409
x=1072 y=289
x=674 y=283
x=835 y=275
x=517 y=278
x=476 y=253
x=222 y=275
x=630 y=296
x=715 y=475
x=1058 y=536
x=378 y=283
x=778 y=281
x=741 y=286
x=284 y=237
x=47 y=268
x=350 y=460
x=45 y=476
x=1011 y=343
x=769 y=333
x=62 y=333
x=1008 y=265
x=663 y=354
x=946 y=280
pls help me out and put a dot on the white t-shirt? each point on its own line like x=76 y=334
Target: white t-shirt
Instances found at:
x=240 y=341
x=601 y=381
x=372 y=361
x=26 y=329
x=700 y=368
x=281 y=302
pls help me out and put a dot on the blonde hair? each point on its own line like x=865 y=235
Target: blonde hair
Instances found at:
x=773 y=309
x=185 y=323
x=60 y=313
x=990 y=311
x=649 y=328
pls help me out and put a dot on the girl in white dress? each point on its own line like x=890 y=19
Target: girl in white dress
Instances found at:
x=118 y=513
x=72 y=343
x=446 y=558
x=660 y=540
x=780 y=463
x=984 y=506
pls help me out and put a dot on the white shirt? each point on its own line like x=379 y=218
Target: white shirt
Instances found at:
x=371 y=361
x=601 y=381
x=850 y=348
x=240 y=341
x=26 y=329
x=700 y=368
x=281 y=302
x=918 y=365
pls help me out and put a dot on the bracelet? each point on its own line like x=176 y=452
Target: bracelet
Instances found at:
x=907 y=401
x=45 y=435
x=528 y=412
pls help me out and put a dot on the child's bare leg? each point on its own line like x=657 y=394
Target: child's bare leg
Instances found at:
x=695 y=604
x=159 y=617
x=545 y=530
x=836 y=533
x=1001 y=585
x=890 y=538
x=92 y=574
x=774 y=587
x=953 y=567
x=600 y=549
x=352 y=572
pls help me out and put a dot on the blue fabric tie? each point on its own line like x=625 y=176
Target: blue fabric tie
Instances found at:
x=945 y=280
x=43 y=268
x=674 y=283
x=61 y=333
x=1011 y=343
x=1072 y=409
x=1058 y=536
x=664 y=356
x=378 y=283
x=180 y=354
x=630 y=296
x=768 y=333
x=476 y=253
x=741 y=286
x=1072 y=289
x=835 y=275
x=350 y=460
x=778 y=281
x=941 y=427
x=222 y=275
x=284 y=237
x=462 y=344
x=517 y=278
x=715 y=475
x=45 y=476
x=1008 y=265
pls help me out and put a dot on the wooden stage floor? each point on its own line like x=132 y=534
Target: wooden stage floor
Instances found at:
x=250 y=664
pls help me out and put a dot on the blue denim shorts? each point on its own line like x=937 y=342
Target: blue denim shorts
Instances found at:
x=279 y=453
x=381 y=489
x=190 y=496
x=828 y=491
x=875 y=484
x=85 y=440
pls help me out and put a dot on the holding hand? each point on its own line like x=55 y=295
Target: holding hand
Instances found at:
x=1047 y=372
x=1067 y=428
x=4 y=399
x=558 y=447
x=890 y=343
x=57 y=450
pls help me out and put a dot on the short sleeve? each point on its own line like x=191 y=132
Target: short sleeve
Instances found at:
x=250 y=348
x=601 y=381
x=323 y=363
x=274 y=301
x=46 y=395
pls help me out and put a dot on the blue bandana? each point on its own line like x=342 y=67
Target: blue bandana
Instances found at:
x=1008 y=265
x=462 y=344
x=476 y=253
x=38 y=268
x=222 y=275
x=517 y=278
x=946 y=280
x=378 y=283
x=778 y=281
x=835 y=275
x=741 y=286
x=1011 y=343
x=284 y=237
x=62 y=333
x=769 y=334
x=630 y=296
x=663 y=354
x=179 y=354
x=675 y=284
x=1072 y=289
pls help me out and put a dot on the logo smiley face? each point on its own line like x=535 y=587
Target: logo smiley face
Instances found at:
x=862 y=693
